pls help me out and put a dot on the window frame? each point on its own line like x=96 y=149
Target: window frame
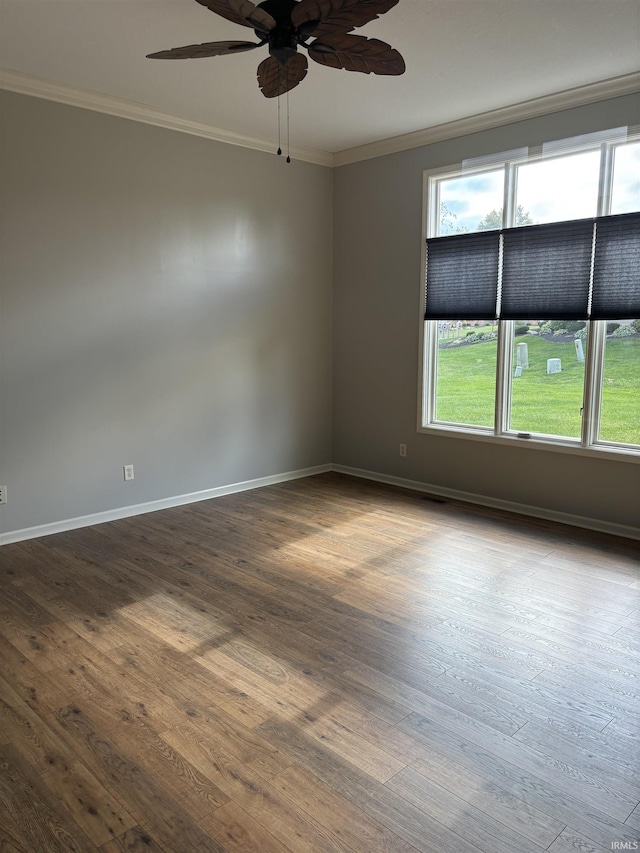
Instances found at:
x=588 y=443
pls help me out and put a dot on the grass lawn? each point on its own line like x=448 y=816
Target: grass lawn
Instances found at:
x=541 y=403
x=621 y=391
x=467 y=384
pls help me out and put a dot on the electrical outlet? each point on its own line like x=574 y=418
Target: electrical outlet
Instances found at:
x=403 y=450
x=3 y=494
x=128 y=472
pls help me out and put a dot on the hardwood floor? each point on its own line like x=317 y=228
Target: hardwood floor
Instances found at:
x=322 y=665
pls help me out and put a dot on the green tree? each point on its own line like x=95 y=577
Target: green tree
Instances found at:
x=493 y=220
x=448 y=223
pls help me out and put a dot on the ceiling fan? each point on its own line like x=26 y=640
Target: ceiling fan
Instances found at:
x=285 y=25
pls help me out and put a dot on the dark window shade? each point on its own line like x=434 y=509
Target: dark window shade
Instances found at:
x=546 y=271
x=462 y=276
x=616 y=272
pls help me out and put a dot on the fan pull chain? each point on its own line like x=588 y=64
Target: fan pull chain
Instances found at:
x=279 y=145
x=280 y=131
x=288 y=133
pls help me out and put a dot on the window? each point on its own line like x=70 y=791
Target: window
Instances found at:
x=531 y=329
x=554 y=189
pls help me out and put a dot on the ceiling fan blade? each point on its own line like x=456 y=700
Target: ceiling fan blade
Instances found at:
x=357 y=53
x=210 y=48
x=275 y=78
x=337 y=16
x=242 y=12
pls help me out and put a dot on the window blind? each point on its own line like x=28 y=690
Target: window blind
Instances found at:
x=616 y=270
x=548 y=272
x=462 y=276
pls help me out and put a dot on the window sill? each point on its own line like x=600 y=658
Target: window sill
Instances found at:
x=599 y=451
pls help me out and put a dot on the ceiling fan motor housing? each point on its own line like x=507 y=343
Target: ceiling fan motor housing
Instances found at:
x=283 y=39
x=282 y=44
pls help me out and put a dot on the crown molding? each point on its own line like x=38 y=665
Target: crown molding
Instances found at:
x=37 y=87
x=26 y=84
x=615 y=87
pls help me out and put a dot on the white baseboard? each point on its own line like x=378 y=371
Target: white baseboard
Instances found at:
x=595 y=524
x=153 y=506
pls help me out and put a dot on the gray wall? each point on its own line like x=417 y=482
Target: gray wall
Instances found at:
x=377 y=274
x=165 y=302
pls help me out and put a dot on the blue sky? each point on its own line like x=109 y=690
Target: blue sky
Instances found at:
x=564 y=187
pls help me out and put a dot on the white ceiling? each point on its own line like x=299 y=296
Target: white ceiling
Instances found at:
x=464 y=57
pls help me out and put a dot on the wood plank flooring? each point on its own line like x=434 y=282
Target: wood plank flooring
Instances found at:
x=323 y=665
